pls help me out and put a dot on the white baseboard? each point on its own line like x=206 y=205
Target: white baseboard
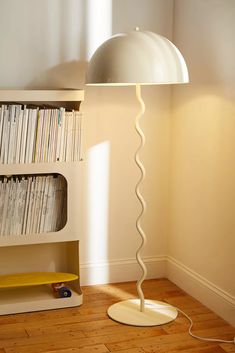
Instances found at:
x=221 y=302
x=123 y=270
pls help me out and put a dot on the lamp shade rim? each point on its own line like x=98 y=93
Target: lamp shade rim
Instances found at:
x=118 y=84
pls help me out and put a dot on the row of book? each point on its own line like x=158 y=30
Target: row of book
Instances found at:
x=32 y=204
x=30 y=134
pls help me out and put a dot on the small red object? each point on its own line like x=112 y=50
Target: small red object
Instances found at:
x=57 y=286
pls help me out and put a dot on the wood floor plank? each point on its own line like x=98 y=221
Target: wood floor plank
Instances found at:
x=196 y=310
x=67 y=342
x=210 y=349
x=9 y=333
x=132 y=350
x=171 y=347
x=18 y=342
x=229 y=348
x=125 y=331
x=204 y=317
x=91 y=349
x=53 y=315
x=37 y=330
x=130 y=335
x=65 y=319
x=184 y=302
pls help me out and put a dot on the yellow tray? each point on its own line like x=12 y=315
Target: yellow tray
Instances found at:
x=35 y=278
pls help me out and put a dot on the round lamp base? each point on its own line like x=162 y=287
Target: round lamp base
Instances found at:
x=156 y=313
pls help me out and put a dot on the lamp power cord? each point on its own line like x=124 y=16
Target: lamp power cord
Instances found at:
x=199 y=337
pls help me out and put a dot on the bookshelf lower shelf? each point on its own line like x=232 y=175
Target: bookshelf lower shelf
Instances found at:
x=20 y=300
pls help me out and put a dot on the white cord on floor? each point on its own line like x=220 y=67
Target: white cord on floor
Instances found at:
x=202 y=338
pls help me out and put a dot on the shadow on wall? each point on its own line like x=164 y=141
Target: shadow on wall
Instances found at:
x=81 y=28
x=66 y=75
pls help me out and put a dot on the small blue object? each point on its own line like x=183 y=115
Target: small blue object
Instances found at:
x=64 y=292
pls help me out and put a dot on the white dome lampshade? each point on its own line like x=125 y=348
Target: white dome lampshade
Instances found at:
x=137 y=57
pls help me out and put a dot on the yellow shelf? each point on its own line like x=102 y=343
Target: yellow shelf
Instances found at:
x=34 y=279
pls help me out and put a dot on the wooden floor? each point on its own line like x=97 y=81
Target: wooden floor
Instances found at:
x=87 y=329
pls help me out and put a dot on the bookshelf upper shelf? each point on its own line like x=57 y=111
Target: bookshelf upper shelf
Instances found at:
x=63 y=95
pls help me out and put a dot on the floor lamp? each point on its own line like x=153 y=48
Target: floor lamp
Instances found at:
x=138 y=58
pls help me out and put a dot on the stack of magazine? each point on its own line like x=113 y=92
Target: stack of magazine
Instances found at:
x=30 y=134
x=32 y=204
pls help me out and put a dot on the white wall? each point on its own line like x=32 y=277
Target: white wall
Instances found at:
x=202 y=235
x=47 y=44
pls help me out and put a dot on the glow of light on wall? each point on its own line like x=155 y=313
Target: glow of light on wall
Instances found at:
x=98 y=208
x=99 y=23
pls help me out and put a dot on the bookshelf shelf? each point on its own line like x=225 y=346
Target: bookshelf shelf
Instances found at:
x=39 y=297
x=68 y=95
x=52 y=251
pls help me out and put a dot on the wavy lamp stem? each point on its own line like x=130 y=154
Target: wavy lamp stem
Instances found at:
x=141 y=312
x=140 y=198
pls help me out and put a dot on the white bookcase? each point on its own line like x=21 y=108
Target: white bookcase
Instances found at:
x=53 y=251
